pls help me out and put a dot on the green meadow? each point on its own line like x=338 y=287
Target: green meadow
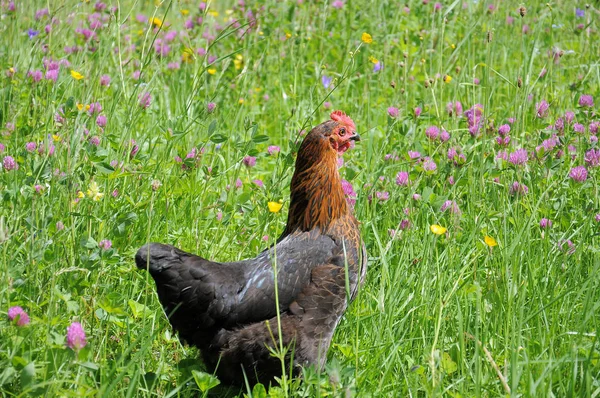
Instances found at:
x=177 y=121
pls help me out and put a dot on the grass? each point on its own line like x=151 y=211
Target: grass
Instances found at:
x=439 y=315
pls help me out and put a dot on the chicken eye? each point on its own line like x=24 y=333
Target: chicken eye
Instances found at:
x=342 y=132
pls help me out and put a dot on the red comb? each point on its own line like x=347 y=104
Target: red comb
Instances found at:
x=341 y=117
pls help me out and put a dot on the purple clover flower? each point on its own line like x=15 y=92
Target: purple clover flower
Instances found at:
x=414 y=155
x=559 y=125
x=382 y=196
x=18 y=316
x=402 y=178
x=518 y=157
x=101 y=121
x=105 y=80
x=474 y=116
x=517 y=189
x=586 y=101
x=504 y=130
x=454 y=109
x=249 y=161
x=145 y=99
x=105 y=244
x=570 y=246
x=592 y=157
x=9 y=163
x=545 y=223
x=444 y=136
x=273 y=150
x=569 y=116
x=432 y=132
x=578 y=174
x=76 y=338
x=503 y=141
x=429 y=164
x=541 y=109
x=349 y=192
x=450 y=204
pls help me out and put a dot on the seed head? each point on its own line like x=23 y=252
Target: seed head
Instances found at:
x=522 y=11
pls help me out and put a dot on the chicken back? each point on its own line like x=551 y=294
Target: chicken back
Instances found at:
x=230 y=311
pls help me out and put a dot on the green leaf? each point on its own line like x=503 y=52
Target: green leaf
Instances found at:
x=205 y=381
x=427 y=193
x=345 y=349
x=19 y=362
x=218 y=138
x=90 y=365
x=27 y=375
x=259 y=391
x=7 y=375
x=276 y=392
x=89 y=243
x=260 y=138
x=139 y=310
x=104 y=167
x=111 y=306
x=448 y=364
x=212 y=127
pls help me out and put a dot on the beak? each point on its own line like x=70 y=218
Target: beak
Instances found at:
x=355 y=137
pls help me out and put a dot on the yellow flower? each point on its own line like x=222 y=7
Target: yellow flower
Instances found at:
x=373 y=59
x=188 y=55
x=184 y=12
x=94 y=191
x=80 y=195
x=213 y=13
x=438 y=229
x=76 y=75
x=80 y=106
x=366 y=38
x=211 y=71
x=274 y=207
x=238 y=62
x=447 y=78
x=156 y=22
x=491 y=242
x=11 y=69
x=241 y=101
x=55 y=137
x=288 y=35
x=453 y=46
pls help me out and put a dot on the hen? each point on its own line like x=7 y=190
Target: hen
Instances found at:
x=229 y=311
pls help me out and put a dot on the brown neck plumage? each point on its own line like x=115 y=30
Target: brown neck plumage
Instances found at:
x=316 y=197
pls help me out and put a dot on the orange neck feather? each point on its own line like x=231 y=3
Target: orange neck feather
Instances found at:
x=316 y=197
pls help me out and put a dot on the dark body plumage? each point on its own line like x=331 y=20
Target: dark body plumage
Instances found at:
x=228 y=310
